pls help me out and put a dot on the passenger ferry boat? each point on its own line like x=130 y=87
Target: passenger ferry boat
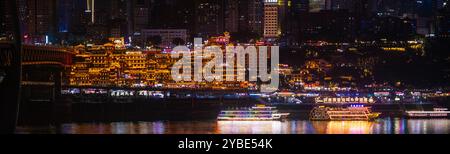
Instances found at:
x=352 y=113
x=255 y=113
x=436 y=113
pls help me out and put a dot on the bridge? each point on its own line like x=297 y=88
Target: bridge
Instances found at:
x=43 y=66
x=46 y=55
x=39 y=75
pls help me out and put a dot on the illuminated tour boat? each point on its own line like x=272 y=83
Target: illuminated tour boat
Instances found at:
x=255 y=113
x=354 y=112
x=436 y=113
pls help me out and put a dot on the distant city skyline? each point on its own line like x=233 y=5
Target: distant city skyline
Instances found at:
x=65 y=21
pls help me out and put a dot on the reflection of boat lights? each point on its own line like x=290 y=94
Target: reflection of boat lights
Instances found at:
x=158 y=128
x=120 y=128
x=344 y=127
x=249 y=127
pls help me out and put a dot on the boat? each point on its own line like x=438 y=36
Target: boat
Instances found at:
x=255 y=113
x=436 y=113
x=351 y=113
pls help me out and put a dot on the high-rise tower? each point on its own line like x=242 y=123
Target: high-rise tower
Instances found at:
x=271 y=29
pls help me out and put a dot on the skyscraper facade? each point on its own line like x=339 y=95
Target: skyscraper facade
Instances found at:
x=209 y=18
x=233 y=15
x=256 y=16
x=40 y=21
x=271 y=19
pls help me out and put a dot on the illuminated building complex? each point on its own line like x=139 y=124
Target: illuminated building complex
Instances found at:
x=113 y=65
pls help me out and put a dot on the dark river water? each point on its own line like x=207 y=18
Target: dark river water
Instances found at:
x=381 y=126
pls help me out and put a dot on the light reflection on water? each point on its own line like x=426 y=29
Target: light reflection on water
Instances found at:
x=250 y=127
x=343 y=127
x=380 y=126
